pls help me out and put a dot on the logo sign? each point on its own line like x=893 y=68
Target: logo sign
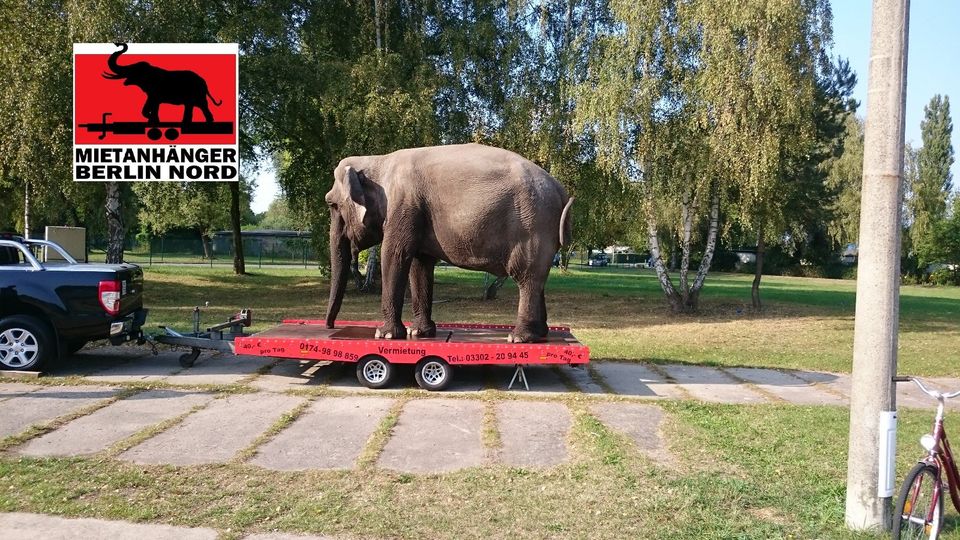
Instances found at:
x=155 y=111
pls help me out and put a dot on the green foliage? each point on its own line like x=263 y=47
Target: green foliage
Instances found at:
x=929 y=192
x=279 y=216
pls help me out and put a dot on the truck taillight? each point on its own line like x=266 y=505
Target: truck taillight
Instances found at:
x=109 y=294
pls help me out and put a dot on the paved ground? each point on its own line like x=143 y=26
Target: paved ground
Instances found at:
x=187 y=422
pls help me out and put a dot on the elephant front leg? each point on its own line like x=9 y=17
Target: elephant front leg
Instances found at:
x=396 y=268
x=421 y=292
x=151 y=111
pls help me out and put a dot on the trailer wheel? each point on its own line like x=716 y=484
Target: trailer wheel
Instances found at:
x=154 y=134
x=374 y=371
x=433 y=373
x=171 y=134
x=187 y=359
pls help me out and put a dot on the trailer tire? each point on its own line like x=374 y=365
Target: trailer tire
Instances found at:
x=187 y=359
x=433 y=373
x=374 y=371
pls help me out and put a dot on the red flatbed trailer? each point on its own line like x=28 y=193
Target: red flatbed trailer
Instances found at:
x=456 y=344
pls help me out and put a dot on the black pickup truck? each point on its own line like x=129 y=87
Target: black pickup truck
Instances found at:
x=54 y=308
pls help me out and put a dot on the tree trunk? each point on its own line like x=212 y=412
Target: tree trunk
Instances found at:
x=755 y=289
x=355 y=269
x=26 y=209
x=708 y=250
x=665 y=284
x=239 y=264
x=373 y=268
x=207 y=248
x=687 y=211
x=115 y=227
x=377 y=6
x=490 y=293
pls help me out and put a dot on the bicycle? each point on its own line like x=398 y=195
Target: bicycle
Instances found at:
x=919 y=510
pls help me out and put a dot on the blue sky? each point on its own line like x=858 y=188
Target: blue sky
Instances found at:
x=933 y=67
x=933 y=64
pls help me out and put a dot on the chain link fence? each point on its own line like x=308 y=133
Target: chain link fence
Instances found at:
x=260 y=248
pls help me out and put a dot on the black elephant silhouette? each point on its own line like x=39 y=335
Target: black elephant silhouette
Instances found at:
x=162 y=86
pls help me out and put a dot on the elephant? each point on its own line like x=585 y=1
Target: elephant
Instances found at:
x=162 y=86
x=473 y=206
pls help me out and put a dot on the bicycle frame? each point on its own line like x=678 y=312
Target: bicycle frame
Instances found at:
x=941 y=457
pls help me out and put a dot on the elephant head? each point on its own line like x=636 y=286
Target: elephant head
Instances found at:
x=355 y=225
x=132 y=74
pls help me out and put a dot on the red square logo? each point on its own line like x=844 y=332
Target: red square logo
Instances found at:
x=156 y=111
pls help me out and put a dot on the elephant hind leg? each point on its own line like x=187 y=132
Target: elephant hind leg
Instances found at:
x=421 y=293
x=531 y=314
x=205 y=109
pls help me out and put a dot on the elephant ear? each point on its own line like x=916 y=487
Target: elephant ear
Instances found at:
x=351 y=188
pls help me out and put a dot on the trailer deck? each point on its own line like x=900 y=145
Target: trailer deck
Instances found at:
x=456 y=344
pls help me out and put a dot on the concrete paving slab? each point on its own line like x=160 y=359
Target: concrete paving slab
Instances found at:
x=22 y=526
x=436 y=436
x=293 y=374
x=113 y=423
x=581 y=377
x=838 y=383
x=533 y=434
x=219 y=369
x=330 y=434
x=95 y=358
x=47 y=403
x=216 y=433
x=628 y=379
x=13 y=389
x=786 y=386
x=908 y=395
x=144 y=368
x=709 y=384
x=542 y=379
x=641 y=423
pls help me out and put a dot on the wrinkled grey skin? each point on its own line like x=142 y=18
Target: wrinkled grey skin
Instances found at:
x=474 y=206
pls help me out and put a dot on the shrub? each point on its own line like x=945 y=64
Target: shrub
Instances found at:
x=945 y=276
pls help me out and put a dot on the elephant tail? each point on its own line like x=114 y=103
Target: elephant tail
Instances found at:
x=566 y=224
x=215 y=102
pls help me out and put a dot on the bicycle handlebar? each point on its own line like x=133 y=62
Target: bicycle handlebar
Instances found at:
x=935 y=394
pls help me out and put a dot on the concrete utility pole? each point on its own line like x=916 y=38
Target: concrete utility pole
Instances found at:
x=878 y=271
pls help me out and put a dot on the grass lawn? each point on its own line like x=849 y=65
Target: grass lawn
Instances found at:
x=805 y=324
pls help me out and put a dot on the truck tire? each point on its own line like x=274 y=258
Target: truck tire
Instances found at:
x=25 y=343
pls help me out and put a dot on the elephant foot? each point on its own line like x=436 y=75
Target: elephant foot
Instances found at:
x=520 y=335
x=391 y=331
x=418 y=330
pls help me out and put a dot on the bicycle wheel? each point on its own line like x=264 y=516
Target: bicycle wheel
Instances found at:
x=919 y=510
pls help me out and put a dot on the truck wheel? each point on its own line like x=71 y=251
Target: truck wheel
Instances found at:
x=374 y=371
x=433 y=373
x=25 y=343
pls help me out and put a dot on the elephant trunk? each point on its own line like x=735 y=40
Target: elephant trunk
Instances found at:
x=114 y=66
x=340 y=258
